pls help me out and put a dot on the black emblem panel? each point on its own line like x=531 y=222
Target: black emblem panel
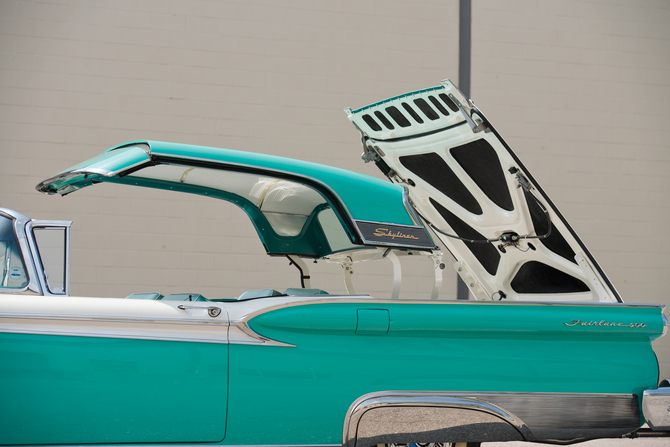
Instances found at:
x=394 y=235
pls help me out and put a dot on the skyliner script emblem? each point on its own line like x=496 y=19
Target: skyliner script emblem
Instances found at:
x=602 y=323
x=384 y=232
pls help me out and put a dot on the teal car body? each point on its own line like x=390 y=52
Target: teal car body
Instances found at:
x=545 y=350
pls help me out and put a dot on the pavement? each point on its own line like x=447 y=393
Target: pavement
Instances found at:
x=637 y=442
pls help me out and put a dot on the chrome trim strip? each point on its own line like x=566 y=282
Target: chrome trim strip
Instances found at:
x=240 y=333
x=348 y=299
x=199 y=331
x=111 y=319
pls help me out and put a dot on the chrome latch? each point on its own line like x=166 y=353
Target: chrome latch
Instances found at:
x=212 y=311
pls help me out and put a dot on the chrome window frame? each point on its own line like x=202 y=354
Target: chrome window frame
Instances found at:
x=38 y=265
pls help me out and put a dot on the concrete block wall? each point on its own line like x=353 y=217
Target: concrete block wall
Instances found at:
x=577 y=88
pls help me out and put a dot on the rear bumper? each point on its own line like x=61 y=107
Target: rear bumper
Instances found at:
x=656 y=408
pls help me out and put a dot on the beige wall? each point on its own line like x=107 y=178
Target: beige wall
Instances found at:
x=579 y=89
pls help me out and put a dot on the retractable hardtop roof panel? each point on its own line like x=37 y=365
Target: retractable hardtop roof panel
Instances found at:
x=297 y=207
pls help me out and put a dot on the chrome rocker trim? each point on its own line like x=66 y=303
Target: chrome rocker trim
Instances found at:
x=457 y=416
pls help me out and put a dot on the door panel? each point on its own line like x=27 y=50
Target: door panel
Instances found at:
x=79 y=390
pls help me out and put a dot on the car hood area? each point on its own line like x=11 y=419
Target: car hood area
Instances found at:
x=508 y=238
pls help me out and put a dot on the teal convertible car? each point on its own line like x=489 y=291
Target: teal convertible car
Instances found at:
x=545 y=349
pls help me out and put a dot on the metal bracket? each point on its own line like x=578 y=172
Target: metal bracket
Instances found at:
x=348 y=272
x=305 y=278
x=397 y=272
x=439 y=266
x=476 y=126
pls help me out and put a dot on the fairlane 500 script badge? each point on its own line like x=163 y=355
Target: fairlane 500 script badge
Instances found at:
x=603 y=323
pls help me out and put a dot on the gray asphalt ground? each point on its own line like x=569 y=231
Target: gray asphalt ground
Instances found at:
x=638 y=442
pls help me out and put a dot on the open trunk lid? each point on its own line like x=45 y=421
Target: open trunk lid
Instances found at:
x=509 y=239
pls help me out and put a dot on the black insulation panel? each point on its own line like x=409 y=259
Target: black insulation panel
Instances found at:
x=435 y=171
x=486 y=253
x=537 y=277
x=555 y=242
x=480 y=161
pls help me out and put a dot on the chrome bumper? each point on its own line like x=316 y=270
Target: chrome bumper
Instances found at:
x=656 y=408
